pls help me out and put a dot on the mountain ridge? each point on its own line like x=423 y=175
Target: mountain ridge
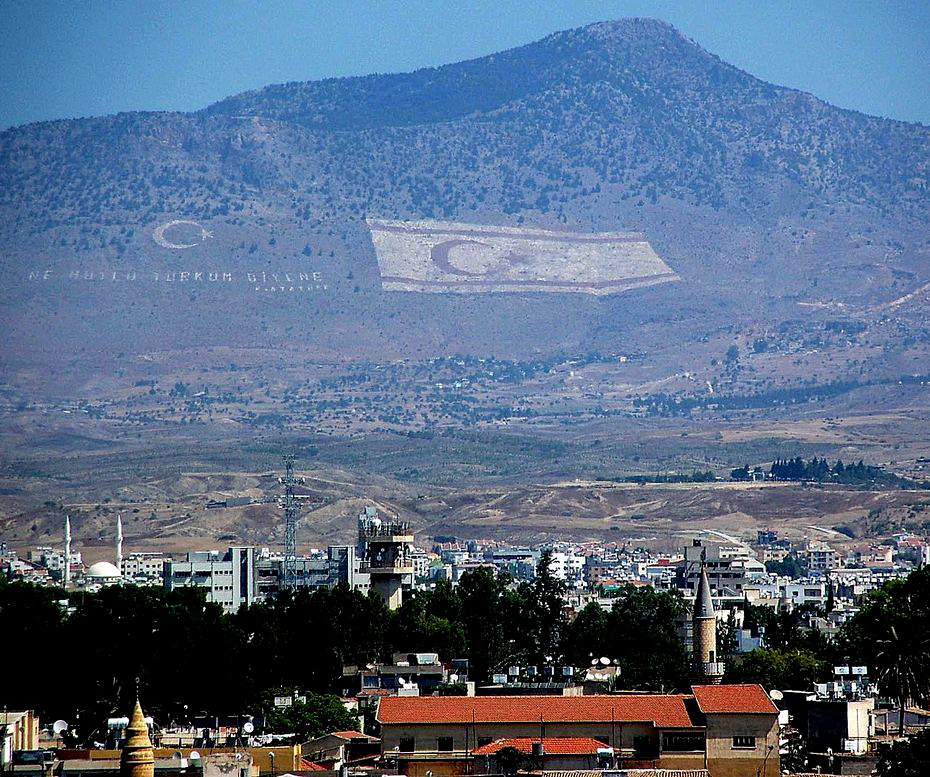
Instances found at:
x=760 y=197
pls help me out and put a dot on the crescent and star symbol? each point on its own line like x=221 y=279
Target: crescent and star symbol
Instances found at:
x=439 y=255
x=158 y=234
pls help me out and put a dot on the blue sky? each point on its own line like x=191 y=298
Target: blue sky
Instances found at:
x=61 y=59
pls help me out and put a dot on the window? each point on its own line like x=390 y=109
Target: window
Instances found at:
x=642 y=746
x=603 y=740
x=482 y=741
x=406 y=744
x=445 y=745
x=748 y=742
x=682 y=742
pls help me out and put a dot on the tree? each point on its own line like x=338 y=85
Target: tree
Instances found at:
x=489 y=613
x=773 y=668
x=319 y=714
x=413 y=629
x=901 y=662
x=542 y=619
x=509 y=760
x=641 y=616
x=905 y=758
x=585 y=634
x=891 y=635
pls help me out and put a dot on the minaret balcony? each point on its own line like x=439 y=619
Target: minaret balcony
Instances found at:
x=709 y=668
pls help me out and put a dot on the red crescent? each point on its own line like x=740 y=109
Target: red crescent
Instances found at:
x=439 y=254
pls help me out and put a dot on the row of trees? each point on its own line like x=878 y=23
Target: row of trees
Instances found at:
x=191 y=658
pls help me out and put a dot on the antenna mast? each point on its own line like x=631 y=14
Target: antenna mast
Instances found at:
x=289 y=503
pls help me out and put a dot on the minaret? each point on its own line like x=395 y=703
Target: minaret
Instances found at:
x=119 y=543
x=705 y=668
x=67 y=577
x=137 y=758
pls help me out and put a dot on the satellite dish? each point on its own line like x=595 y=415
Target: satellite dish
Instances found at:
x=248 y=727
x=605 y=661
x=776 y=695
x=616 y=661
x=59 y=727
x=401 y=681
x=194 y=756
x=177 y=755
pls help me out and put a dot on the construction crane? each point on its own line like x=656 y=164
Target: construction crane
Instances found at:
x=289 y=502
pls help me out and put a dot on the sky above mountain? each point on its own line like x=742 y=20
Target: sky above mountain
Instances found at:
x=61 y=60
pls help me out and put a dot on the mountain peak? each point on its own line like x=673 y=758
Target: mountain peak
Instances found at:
x=637 y=49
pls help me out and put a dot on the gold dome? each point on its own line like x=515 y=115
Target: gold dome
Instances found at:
x=137 y=758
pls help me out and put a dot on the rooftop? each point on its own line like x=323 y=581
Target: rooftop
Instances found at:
x=746 y=699
x=661 y=710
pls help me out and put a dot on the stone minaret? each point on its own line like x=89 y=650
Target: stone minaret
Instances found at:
x=67 y=577
x=705 y=666
x=119 y=543
x=137 y=758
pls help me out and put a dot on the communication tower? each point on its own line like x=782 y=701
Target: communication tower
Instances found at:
x=289 y=502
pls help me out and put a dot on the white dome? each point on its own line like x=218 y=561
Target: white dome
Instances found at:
x=103 y=569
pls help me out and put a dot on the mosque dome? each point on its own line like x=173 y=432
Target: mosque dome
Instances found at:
x=103 y=569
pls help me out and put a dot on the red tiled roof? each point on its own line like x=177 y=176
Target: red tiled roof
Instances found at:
x=551 y=745
x=349 y=734
x=662 y=711
x=747 y=699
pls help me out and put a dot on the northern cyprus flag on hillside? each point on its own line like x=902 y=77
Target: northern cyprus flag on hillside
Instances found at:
x=440 y=256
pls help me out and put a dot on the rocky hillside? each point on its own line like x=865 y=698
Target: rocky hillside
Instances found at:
x=770 y=204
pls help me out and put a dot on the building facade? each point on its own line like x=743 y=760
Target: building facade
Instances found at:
x=729 y=730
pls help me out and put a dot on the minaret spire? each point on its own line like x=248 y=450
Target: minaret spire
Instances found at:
x=705 y=667
x=67 y=571
x=137 y=758
x=119 y=543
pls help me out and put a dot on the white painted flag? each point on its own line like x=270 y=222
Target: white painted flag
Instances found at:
x=437 y=256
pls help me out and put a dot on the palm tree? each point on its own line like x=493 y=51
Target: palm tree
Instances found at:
x=901 y=661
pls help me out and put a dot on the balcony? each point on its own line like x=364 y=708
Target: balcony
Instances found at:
x=708 y=667
x=388 y=567
x=386 y=530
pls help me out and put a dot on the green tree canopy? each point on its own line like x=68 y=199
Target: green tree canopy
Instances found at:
x=314 y=715
x=773 y=668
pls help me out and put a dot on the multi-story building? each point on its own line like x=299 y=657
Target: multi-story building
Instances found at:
x=245 y=575
x=229 y=578
x=728 y=730
x=821 y=557
x=730 y=569
x=140 y=567
x=18 y=731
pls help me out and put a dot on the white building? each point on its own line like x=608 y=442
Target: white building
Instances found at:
x=144 y=565
x=821 y=557
x=228 y=578
x=730 y=569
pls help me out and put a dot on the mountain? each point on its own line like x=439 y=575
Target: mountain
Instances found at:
x=779 y=213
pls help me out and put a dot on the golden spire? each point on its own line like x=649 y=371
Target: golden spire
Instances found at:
x=137 y=758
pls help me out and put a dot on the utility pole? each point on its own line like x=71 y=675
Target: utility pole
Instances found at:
x=289 y=503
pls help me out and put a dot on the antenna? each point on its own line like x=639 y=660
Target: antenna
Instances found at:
x=289 y=503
